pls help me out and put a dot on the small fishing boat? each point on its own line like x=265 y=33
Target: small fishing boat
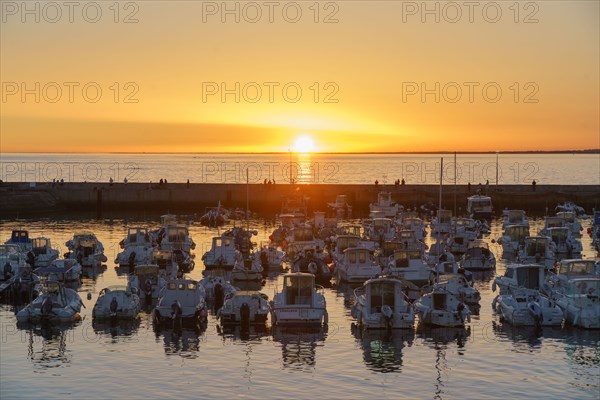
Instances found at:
x=520 y=302
x=569 y=206
x=458 y=285
x=340 y=207
x=270 y=257
x=42 y=252
x=379 y=230
x=442 y=308
x=180 y=302
x=478 y=257
x=300 y=302
x=564 y=243
x=246 y=269
x=416 y=225
x=551 y=222
x=86 y=249
x=12 y=261
x=137 y=248
x=512 y=238
x=65 y=270
x=479 y=207
x=245 y=308
x=54 y=303
x=571 y=222
x=576 y=288
x=381 y=303
x=357 y=266
x=438 y=252
x=221 y=255
x=514 y=217
x=537 y=250
x=385 y=204
x=442 y=223
x=408 y=265
x=118 y=302
x=146 y=281
x=20 y=237
x=217 y=288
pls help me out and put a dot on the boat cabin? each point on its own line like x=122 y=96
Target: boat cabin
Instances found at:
x=479 y=206
x=567 y=216
x=381 y=292
x=529 y=276
x=536 y=246
x=19 y=236
x=298 y=288
x=560 y=235
x=303 y=234
x=40 y=245
x=444 y=217
x=516 y=233
x=579 y=287
x=553 y=222
x=356 y=256
x=402 y=257
x=516 y=217
x=344 y=242
x=577 y=268
x=138 y=236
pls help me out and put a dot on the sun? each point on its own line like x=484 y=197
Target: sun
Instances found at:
x=304 y=144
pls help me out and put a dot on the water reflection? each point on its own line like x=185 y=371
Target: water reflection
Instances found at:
x=117 y=328
x=299 y=346
x=47 y=344
x=184 y=342
x=382 y=349
x=93 y=272
x=235 y=332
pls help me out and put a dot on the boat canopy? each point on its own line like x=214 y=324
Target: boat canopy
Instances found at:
x=517 y=232
x=527 y=276
x=574 y=268
x=345 y=242
x=356 y=255
x=298 y=288
x=20 y=236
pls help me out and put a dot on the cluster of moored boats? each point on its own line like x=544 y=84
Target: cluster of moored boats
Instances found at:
x=401 y=279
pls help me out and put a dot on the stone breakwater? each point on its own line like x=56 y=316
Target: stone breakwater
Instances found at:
x=22 y=199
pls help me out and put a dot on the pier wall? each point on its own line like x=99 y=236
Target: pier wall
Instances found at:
x=21 y=199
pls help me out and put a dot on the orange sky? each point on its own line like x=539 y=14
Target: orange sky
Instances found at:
x=361 y=78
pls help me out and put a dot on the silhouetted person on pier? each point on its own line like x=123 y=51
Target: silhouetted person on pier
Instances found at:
x=469 y=187
x=376 y=182
x=188 y=184
x=403 y=182
x=533 y=185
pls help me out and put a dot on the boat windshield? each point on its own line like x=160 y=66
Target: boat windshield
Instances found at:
x=584 y=287
x=382 y=294
x=517 y=232
x=298 y=290
x=536 y=247
x=577 y=268
x=528 y=277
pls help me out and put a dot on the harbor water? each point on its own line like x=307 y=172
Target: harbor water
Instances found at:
x=490 y=359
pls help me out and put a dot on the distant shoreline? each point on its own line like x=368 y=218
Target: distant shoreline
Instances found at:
x=588 y=151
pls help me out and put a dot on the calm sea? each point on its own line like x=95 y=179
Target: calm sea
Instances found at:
x=489 y=360
x=314 y=168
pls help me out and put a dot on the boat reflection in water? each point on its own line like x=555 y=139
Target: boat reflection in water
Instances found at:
x=182 y=342
x=47 y=343
x=117 y=328
x=249 y=334
x=382 y=349
x=299 y=346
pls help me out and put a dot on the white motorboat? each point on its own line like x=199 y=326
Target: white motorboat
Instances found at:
x=478 y=257
x=221 y=254
x=512 y=238
x=514 y=217
x=408 y=265
x=442 y=223
x=575 y=288
x=175 y=237
x=385 y=204
x=537 y=250
x=410 y=241
x=380 y=303
x=55 y=303
x=564 y=243
x=147 y=281
x=169 y=262
x=570 y=221
x=341 y=243
x=270 y=257
x=65 y=270
x=416 y=225
x=299 y=303
x=459 y=285
x=246 y=268
x=42 y=252
x=357 y=266
x=137 y=248
x=117 y=301
x=551 y=222
x=479 y=207
x=245 y=308
x=86 y=249
x=520 y=302
x=300 y=238
x=570 y=206
x=442 y=308
x=181 y=302
x=380 y=230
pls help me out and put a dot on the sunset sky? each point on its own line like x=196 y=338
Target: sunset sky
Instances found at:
x=361 y=78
